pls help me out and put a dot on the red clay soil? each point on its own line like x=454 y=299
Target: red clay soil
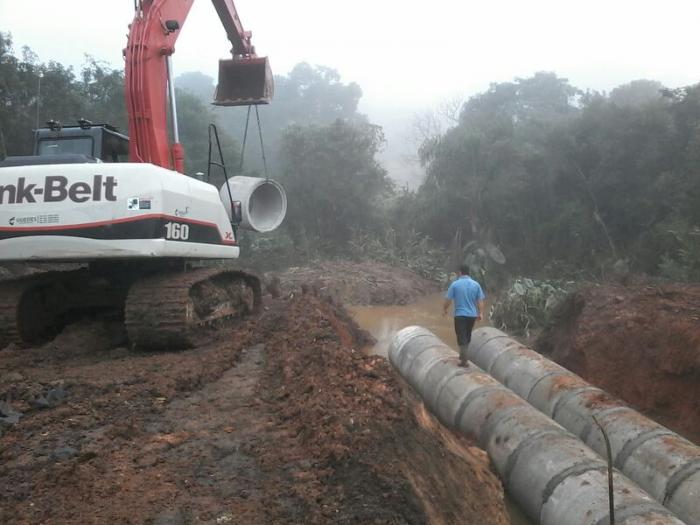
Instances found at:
x=640 y=343
x=278 y=420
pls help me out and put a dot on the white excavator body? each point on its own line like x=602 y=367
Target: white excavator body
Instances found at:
x=92 y=211
x=77 y=212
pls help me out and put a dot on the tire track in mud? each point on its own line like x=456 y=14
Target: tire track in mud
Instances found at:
x=282 y=419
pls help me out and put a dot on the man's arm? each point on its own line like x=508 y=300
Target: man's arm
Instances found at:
x=446 y=305
x=449 y=296
x=480 y=304
x=480 y=309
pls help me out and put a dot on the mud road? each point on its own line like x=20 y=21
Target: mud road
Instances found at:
x=279 y=419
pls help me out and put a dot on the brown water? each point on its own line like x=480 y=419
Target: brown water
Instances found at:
x=384 y=321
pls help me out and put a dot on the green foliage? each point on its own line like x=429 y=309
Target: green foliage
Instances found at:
x=560 y=181
x=680 y=260
x=97 y=94
x=32 y=93
x=527 y=304
x=549 y=173
x=414 y=252
x=194 y=118
x=313 y=95
x=333 y=181
x=308 y=95
x=102 y=91
x=197 y=84
x=271 y=251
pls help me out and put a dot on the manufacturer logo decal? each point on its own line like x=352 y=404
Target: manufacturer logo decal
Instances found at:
x=30 y=220
x=56 y=188
x=138 y=203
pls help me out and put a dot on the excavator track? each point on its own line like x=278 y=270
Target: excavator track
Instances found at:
x=10 y=297
x=168 y=311
x=34 y=308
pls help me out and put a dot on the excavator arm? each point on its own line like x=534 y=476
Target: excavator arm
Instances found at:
x=240 y=39
x=243 y=80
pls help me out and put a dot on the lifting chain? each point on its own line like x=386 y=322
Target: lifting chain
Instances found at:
x=245 y=140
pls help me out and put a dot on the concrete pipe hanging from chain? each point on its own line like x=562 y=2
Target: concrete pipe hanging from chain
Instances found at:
x=664 y=464
x=554 y=477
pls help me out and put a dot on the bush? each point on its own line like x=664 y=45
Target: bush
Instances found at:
x=527 y=304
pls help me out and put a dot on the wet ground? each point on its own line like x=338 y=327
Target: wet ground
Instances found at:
x=280 y=419
x=382 y=322
x=353 y=282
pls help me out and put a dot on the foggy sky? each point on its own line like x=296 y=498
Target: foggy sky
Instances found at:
x=406 y=56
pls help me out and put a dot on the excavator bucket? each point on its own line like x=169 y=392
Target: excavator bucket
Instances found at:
x=244 y=81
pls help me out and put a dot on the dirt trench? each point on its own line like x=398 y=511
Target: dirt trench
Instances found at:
x=356 y=283
x=640 y=343
x=281 y=419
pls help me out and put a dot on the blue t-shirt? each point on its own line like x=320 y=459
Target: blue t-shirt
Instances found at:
x=465 y=292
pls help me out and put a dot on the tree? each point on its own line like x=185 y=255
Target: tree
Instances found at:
x=32 y=92
x=637 y=93
x=96 y=94
x=198 y=84
x=194 y=118
x=103 y=91
x=334 y=182
x=489 y=179
x=550 y=174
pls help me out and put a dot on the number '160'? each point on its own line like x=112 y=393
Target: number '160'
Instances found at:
x=177 y=231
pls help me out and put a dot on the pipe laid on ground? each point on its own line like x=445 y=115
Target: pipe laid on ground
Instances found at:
x=659 y=460
x=555 y=478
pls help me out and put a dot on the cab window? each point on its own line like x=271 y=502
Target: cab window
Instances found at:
x=69 y=145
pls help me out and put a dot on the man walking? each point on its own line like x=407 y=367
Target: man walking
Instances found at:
x=468 y=300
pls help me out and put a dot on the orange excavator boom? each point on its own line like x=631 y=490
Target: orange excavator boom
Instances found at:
x=245 y=79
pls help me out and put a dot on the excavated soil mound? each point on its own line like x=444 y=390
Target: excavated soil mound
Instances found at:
x=640 y=343
x=356 y=283
x=279 y=420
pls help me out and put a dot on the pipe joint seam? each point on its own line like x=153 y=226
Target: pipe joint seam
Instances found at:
x=638 y=510
x=503 y=354
x=570 y=395
x=491 y=422
x=574 y=470
x=545 y=376
x=513 y=458
x=468 y=401
x=631 y=446
x=679 y=477
x=586 y=432
x=488 y=340
x=445 y=380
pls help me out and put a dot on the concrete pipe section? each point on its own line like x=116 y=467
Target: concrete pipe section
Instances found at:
x=659 y=460
x=554 y=477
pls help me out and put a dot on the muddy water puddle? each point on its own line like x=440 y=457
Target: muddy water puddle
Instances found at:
x=384 y=321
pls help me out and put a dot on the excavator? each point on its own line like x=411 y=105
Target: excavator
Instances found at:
x=145 y=242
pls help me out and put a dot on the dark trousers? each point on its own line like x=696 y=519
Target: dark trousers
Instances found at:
x=463 y=329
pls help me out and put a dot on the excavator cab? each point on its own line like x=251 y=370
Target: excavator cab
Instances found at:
x=97 y=141
x=86 y=142
x=244 y=82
